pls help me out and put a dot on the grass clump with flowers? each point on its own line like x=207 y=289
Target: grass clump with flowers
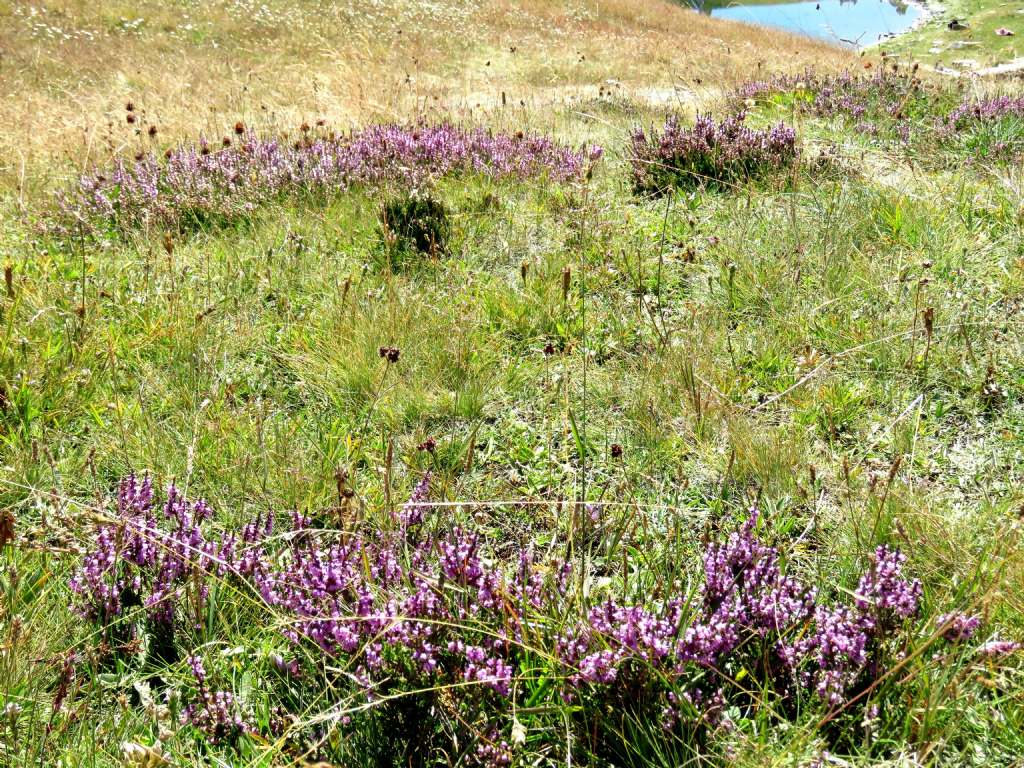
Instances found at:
x=195 y=186
x=394 y=622
x=726 y=474
x=897 y=106
x=709 y=153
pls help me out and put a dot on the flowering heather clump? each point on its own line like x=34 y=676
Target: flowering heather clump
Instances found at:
x=958 y=627
x=199 y=183
x=144 y=569
x=845 y=94
x=213 y=712
x=874 y=104
x=425 y=607
x=846 y=640
x=985 y=111
x=708 y=153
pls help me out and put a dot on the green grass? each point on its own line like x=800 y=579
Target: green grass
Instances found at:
x=761 y=343
x=934 y=43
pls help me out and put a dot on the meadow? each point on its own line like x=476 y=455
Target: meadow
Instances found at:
x=513 y=383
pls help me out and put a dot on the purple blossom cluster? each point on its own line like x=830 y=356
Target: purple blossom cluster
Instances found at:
x=874 y=104
x=422 y=606
x=846 y=642
x=957 y=627
x=215 y=713
x=970 y=112
x=846 y=94
x=707 y=153
x=144 y=568
x=199 y=183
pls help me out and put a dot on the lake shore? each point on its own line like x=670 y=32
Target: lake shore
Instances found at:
x=978 y=46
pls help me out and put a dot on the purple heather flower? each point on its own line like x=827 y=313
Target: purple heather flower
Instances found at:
x=957 y=627
x=196 y=182
x=707 y=152
x=416 y=508
x=440 y=606
x=994 y=648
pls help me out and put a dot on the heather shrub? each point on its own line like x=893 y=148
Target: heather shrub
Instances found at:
x=416 y=224
x=196 y=185
x=987 y=128
x=708 y=154
x=420 y=636
x=886 y=103
x=895 y=104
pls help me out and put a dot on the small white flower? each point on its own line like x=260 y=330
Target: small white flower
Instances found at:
x=518 y=732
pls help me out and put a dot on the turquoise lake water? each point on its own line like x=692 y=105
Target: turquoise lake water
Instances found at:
x=848 y=22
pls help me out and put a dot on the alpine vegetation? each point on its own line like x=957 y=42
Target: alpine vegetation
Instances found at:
x=199 y=184
x=396 y=621
x=709 y=153
x=454 y=384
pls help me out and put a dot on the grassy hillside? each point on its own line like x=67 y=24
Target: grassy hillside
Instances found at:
x=480 y=447
x=69 y=66
x=976 y=46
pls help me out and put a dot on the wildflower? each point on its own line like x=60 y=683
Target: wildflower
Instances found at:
x=707 y=153
x=391 y=354
x=415 y=509
x=994 y=648
x=957 y=627
x=195 y=180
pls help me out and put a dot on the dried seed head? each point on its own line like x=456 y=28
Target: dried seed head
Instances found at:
x=566 y=281
x=929 y=319
x=239 y=127
x=616 y=451
x=152 y=130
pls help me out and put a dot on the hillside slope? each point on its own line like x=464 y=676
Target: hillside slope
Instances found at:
x=69 y=66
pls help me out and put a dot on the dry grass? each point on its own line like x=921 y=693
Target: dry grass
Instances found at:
x=69 y=66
